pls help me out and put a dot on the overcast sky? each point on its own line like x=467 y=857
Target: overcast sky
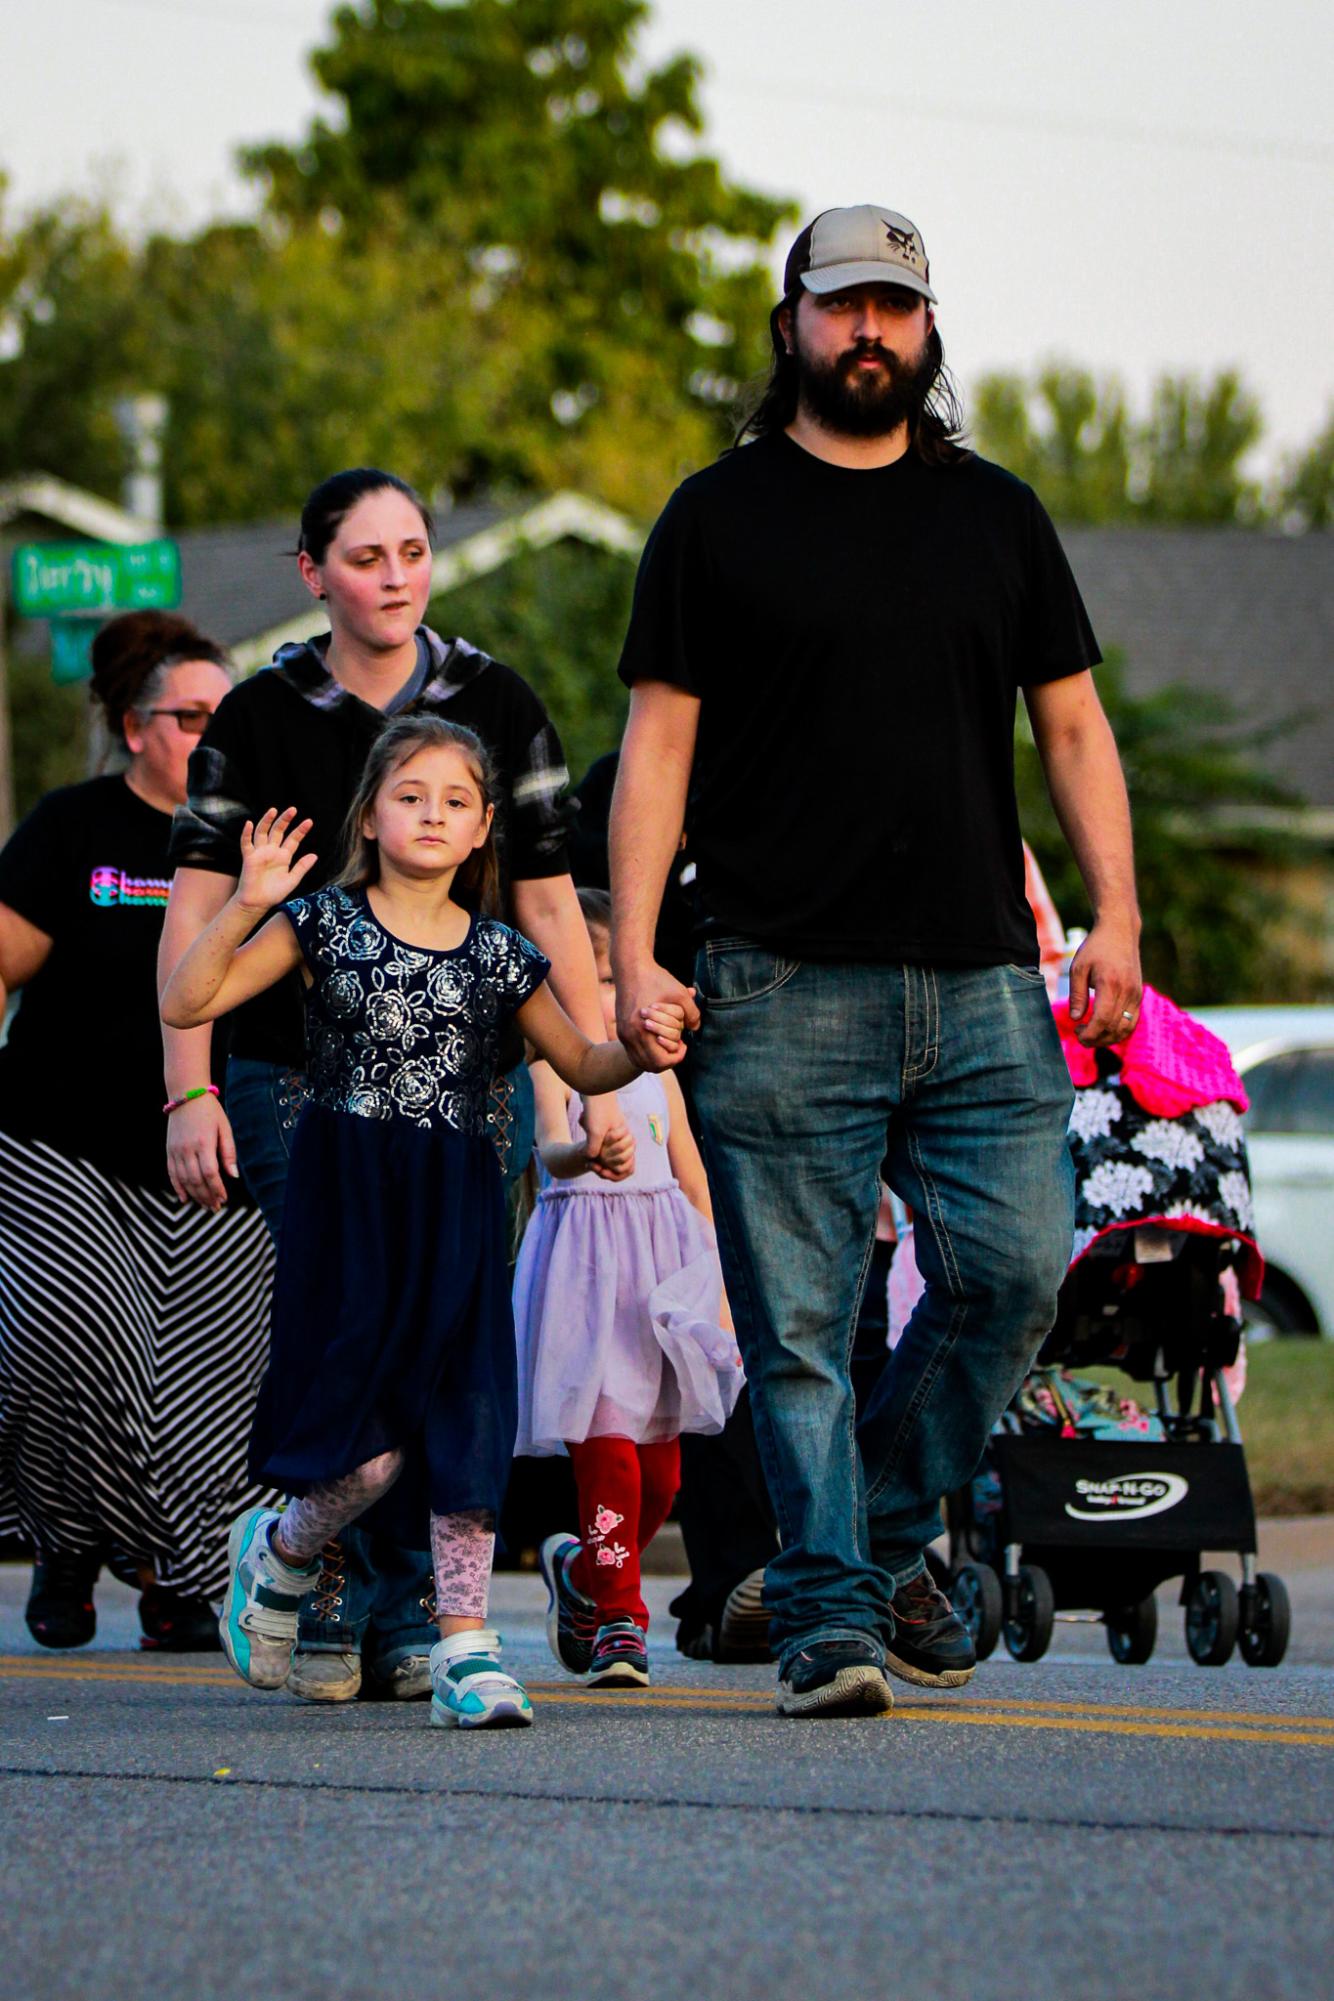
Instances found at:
x=1140 y=186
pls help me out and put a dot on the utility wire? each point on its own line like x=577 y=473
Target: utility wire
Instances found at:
x=1117 y=130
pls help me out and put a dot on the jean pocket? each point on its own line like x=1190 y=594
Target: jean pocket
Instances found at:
x=1033 y=975
x=732 y=971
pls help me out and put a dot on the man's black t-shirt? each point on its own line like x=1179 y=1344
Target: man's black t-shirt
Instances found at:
x=82 y=1067
x=857 y=640
x=294 y=736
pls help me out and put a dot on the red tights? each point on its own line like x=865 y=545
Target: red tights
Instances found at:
x=625 y=1491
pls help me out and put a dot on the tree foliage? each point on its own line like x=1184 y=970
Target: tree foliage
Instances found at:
x=1072 y=436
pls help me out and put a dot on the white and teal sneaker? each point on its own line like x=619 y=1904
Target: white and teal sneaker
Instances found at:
x=469 y=1688
x=258 y=1622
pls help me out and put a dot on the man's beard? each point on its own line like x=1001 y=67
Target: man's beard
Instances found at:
x=843 y=397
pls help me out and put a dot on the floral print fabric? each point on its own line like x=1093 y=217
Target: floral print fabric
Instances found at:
x=1131 y=1167
x=395 y=1031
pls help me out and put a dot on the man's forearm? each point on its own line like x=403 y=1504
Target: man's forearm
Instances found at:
x=647 y=816
x=546 y=909
x=1088 y=791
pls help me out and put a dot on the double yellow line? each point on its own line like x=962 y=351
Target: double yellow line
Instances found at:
x=975 y=1711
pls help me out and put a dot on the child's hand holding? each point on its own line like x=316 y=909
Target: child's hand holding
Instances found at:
x=665 y=1021
x=616 y=1157
x=270 y=870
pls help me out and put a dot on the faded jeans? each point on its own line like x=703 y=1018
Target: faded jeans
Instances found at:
x=811 y=1080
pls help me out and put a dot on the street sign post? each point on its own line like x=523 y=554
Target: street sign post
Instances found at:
x=72 y=648
x=52 y=579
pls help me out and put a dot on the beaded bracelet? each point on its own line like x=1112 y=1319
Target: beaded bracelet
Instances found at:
x=202 y=1091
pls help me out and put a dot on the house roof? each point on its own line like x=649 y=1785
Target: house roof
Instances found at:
x=1248 y=615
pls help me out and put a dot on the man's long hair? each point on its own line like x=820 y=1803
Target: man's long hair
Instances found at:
x=936 y=430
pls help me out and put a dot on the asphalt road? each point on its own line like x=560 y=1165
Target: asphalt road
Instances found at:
x=1067 y=1828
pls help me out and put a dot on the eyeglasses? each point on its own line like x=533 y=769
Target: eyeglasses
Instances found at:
x=193 y=721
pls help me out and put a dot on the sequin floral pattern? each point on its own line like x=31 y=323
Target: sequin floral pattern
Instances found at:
x=394 y=1031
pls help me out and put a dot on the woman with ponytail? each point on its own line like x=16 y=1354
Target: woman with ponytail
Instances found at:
x=133 y=1330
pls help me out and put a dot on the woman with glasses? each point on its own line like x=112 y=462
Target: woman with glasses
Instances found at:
x=133 y=1328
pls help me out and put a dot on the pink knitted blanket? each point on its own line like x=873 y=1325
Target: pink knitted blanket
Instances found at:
x=1169 y=1062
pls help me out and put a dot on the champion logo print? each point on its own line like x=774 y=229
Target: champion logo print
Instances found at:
x=108 y=886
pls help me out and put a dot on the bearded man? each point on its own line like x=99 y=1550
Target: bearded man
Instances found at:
x=830 y=629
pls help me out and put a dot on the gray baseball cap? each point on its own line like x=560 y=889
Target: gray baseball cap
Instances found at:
x=858 y=246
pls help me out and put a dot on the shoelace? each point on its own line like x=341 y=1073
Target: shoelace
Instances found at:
x=620 y=1643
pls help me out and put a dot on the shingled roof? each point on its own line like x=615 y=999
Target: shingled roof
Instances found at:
x=1248 y=615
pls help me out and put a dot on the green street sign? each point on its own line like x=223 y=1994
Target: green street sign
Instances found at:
x=51 y=578
x=72 y=648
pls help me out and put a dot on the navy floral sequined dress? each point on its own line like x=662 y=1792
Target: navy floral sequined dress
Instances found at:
x=391 y=1310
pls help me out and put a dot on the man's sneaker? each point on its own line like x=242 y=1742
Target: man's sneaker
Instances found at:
x=931 y=1645
x=259 y=1612
x=619 y=1657
x=572 y=1619
x=60 y=1611
x=407 y=1680
x=173 y=1623
x=835 y=1678
x=470 y=1690
x=318 y=1674
x=743 y=1630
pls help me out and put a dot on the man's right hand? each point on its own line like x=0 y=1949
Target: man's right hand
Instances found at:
x=644 y=987
x=200 y=1151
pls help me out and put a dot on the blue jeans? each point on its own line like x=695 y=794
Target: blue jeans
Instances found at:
x=811 y=1080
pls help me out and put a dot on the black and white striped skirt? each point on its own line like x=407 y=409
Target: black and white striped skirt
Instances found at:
x=134 y=1330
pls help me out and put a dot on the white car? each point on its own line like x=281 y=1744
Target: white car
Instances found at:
x=1286 y=1059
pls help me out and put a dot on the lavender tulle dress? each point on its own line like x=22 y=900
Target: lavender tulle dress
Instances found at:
x=617 y=1299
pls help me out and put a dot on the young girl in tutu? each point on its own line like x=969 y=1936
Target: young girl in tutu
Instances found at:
x=624 y=1343
x=391 y=1380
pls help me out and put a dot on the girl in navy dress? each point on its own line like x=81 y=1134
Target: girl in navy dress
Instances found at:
x=391 y=1381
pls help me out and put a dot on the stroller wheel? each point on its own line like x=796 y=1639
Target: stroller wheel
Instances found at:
x=1028 y=1632
x=1132 y=1631
x=975 y=1593
x=1264 y=1637
x=1213 y=1615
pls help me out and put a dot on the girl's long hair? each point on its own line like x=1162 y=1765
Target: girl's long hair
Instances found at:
x=477 y=884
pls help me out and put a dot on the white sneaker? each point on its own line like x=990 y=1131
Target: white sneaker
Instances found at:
x=470 y=1690
x=259 y=1612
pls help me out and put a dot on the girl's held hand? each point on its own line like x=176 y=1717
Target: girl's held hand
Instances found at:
x=270 y=868
x=200 y=1151
x=616 y=1158
x=665 y=1021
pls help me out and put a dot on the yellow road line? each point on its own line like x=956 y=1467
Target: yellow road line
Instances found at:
x=1234 y=1727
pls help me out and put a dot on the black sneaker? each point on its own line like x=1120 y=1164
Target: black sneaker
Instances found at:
x=743 y=1630
x=60 y=1611
x=835 y=1678
x=572 y=1619
x=620 y=1657
x=931 y=1645
x=175 y=1624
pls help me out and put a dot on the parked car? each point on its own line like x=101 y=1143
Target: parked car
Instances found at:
x=1286 y=1059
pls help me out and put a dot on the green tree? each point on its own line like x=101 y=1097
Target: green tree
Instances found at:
x=557 y=616
x=1306 y=483
x=1206 y=839
x=609 y=295
x=1073 y=438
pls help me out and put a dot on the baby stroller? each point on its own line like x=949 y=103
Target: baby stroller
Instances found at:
x=1084 y=1503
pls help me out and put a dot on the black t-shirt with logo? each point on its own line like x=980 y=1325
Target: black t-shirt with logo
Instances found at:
x=82 y=1067
x=858 y=640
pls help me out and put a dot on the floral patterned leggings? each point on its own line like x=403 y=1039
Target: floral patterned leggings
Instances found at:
x=625 y=1492
x=462 y=1545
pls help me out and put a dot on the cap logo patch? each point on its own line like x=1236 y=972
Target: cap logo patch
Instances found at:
x=902 y=242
